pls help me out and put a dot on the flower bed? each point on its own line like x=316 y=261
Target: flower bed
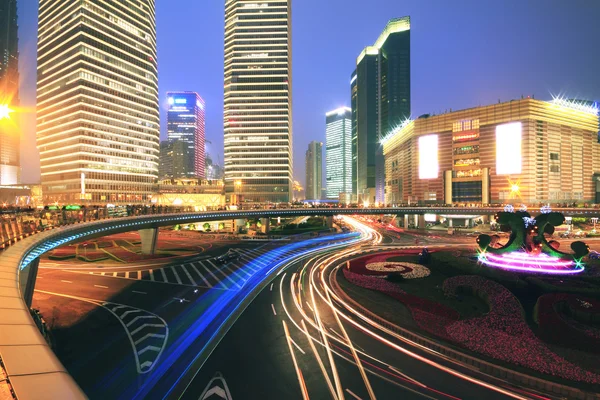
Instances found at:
x=359 y=265
x=503 y=333
x=406 y=269
x=557 y=326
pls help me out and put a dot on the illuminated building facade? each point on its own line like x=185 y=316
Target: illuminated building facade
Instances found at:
x=314 y=170
x=186 y=122
x=258 y=100
x=338 y=152
x=380 y=89
x=97 y=101
x=522 y=151
x=173 y=159
x=10 y=169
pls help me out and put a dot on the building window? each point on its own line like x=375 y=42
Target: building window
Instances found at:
x=554 y=156
x=466 y=192
x=554 y=168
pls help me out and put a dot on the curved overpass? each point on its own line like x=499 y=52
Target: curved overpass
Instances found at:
x=32 y=368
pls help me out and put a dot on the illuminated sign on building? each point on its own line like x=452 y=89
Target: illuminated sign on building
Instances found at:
x=508 y=148
x=465 y=137
x=180 y=101
x=428 y=157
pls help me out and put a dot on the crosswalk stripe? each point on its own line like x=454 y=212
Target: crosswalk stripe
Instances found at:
x=188 y=275
x=234 y=272
x=213 y=275
x=201 y=276
x=176 y=275
x=152 y=275
x=162 y=271
x=225 y=275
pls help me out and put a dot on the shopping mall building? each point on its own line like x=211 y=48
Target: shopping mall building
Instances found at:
x=522 y=151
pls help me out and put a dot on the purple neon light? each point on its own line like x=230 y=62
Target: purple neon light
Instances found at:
x=521 y=261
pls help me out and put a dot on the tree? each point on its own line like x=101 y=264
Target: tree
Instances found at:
x=206 y=226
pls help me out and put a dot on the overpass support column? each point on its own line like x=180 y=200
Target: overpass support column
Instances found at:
x=448 y=187
x=421 y=221
x=239 y=225
x=485 y=186
x=149 y=239
x=405 y=221
x=329 y=222
x=265 y=225
x=27 y=280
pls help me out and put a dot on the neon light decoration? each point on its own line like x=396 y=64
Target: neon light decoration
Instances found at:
x=428 y=157
x=527 y=249
x=508 y=149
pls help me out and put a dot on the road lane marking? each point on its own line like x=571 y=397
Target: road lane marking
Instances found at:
x=100 y=286
x=213 y=275
x=273 y=307
x=162 y=271
x=181 y=300
x=137 y=291
x=188 y=274
x=66 y=282
x=271 y=287
x=201 y=276
x=176 y=275
x=352 y=394
x=224 y=274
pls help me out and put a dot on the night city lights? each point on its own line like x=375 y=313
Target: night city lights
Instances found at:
x=214 y=200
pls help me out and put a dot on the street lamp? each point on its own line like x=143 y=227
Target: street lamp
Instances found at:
x=5 y=111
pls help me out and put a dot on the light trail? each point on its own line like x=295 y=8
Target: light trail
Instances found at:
x=298 y=371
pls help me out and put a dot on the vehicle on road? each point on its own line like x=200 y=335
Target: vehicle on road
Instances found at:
x=227 y=257
x=594 y=255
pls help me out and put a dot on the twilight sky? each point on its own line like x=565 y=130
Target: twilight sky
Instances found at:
x=465 y=53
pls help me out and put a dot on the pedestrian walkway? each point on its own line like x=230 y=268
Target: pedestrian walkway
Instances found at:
x=201 y=273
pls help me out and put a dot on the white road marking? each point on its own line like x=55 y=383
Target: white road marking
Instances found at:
x=352 y=394
x=133 y=321
x=66 y=282
x=188 y=274
x=176 y=275
x=271 y=287
x=162 y=271
x=181 y=300
x=225 y=275
x=298 y=347
x=201 y=276
x=213 y=275
x=100 y=286
x=137 y=291
x=273 y=307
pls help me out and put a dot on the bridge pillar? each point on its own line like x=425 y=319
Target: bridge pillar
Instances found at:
x=421 y=224
x=239 y=225
x=265 y=225
x=149 y=239
x=329 y=222
x=27 y=280
x=405 y=221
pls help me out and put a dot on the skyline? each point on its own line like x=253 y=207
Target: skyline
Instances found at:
x=451 y=69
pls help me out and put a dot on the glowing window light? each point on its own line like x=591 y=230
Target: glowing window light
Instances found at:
x=508 y=148
x=428 y=157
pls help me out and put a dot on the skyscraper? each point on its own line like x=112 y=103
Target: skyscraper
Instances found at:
x=9 y=93
x=381 y=102
x=314 y=170
x=338 y=158
x=173 y=159
x=258 y=100
x=186 y=122
x=97 y=100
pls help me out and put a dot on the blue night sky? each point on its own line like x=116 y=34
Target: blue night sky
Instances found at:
x=465 y=53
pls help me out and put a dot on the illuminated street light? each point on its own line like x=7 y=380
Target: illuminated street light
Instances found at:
x=5 y=111
x=515 y=188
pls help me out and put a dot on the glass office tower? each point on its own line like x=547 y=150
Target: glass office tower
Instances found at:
x=258 y=100
x=338 y=151
x=314 y=170
x=186 y=122
x=10 y=169
x=381 y=102
x=97 y=101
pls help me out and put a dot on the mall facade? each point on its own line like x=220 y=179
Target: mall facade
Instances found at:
x=522 y=151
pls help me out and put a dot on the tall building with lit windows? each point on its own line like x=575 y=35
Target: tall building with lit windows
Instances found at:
x=258 y=100
x=10 y=169
x=314 y=170
x=97 y=101
x=380 y=102
x=186 y=122
x=522 y=151
x=338 y=152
